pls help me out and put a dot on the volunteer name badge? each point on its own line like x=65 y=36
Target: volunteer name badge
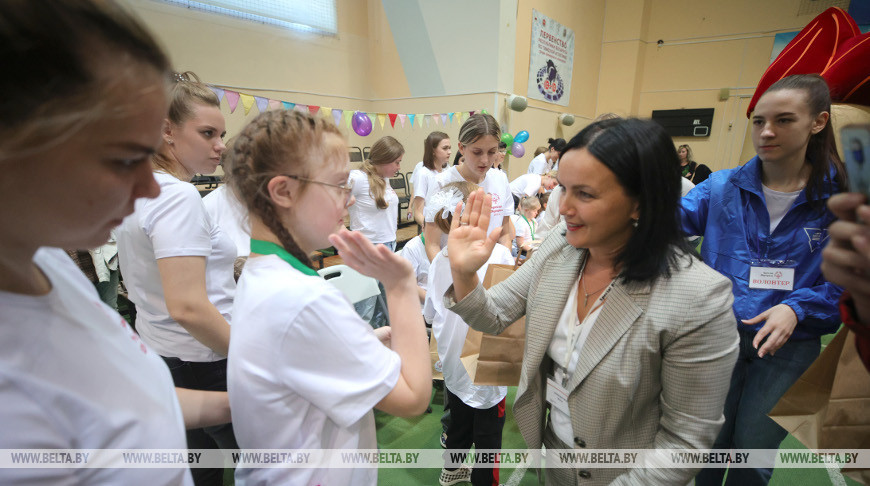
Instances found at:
x=775 y=278
x=557 y=396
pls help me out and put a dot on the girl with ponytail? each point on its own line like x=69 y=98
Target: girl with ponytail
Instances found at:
x=376 y=212
x=178 y=264
x=305 y=371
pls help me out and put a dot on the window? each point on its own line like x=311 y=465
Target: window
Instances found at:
x=316 y=16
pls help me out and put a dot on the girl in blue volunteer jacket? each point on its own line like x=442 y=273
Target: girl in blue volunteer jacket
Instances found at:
x=764 y=226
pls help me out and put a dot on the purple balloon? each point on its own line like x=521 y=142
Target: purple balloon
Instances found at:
x=361 y=124
x=517 y=149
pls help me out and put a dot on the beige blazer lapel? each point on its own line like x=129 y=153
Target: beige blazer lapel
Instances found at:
x=557 y=278
x=618 y=314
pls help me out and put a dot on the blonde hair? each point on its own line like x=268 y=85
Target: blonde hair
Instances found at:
x=530 y=202
x=540 y=150
x=279 y=142
x=384 y=151
x=186 y=92
x=61 y=59
x=466 y=188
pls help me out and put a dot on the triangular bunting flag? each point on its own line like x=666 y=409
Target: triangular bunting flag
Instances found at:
x=347 y=116
x=218 y=92
x=325 y=111
x=232 y=99
x=428 y=120
x=402 y=119
x=247 y=102
x=313 y=109
x=274 y=104
x=471 y=113
x=262 y=103
x=420 y=119
x=301 y=108
x=411 y=117
x=382 y=118
x=288 y=105
x=336 y=116
x=392 y=119
x=437 y=117
x=444 y=119
x=458 y=117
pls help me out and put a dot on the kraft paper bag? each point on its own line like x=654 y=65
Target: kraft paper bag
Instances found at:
x=828 y=407
x=495 y=360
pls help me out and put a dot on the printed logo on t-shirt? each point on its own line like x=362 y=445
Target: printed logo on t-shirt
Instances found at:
x=496 y=203
x=134 y=336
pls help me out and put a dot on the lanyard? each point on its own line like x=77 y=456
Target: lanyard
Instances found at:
x=422 y=239
x=530 y=225
x=269 y=248
x=571 y=345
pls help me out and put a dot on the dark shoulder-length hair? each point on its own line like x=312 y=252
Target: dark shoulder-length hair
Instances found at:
x=642 y=157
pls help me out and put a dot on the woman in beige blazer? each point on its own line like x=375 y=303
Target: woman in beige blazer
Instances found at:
x=621 y=318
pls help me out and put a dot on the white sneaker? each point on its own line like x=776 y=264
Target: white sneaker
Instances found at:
x=461 y=475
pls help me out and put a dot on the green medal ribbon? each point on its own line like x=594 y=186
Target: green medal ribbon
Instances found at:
x=530 y=226
x=269 y=248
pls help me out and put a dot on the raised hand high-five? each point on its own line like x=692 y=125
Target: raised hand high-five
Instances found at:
x=468 y=245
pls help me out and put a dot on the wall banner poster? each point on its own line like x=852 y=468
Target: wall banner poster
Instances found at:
x=551 y=60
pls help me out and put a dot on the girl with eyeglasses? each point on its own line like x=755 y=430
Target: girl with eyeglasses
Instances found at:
x=305 y=371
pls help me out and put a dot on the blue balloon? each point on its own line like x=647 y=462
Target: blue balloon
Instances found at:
x=522 y=137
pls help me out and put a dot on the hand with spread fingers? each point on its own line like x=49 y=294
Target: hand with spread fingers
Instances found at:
x=781 y=321
x=376 y=261
x=468 y=245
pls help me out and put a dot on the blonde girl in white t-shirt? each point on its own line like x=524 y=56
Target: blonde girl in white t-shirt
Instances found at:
x=75 y=156
x=477 y=412
x=178 y=264
x=478 y=144
x=376 y=212
x=436 y=156
x=304 y=370
x=526 y=222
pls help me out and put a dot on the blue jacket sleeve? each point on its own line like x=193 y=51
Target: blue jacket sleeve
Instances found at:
x=694 y=208
x=817 y=307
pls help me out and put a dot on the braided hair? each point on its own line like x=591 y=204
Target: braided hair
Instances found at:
x=278 y=142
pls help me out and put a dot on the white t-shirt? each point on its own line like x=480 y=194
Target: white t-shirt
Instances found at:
x=685 y=186
x=495 y=184
x=415 y=173
x=526 y=185
x=778 y=204
x=73 y=375
x=540 y=165
x=525 y=229
x=231 y=217
x=304 y=372
x=378 y=225
x=425 y=179
x=450 y=330
x=174 y=224
x=415 y=252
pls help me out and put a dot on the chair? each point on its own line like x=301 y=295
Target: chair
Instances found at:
x=356 y=156
x=399 y=182
x=354 y=285
x=367 y=153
